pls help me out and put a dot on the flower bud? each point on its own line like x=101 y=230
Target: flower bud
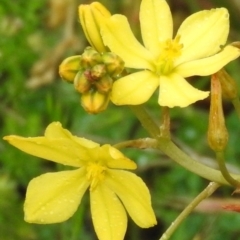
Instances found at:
x=217 y=132
x=114 y=63
x=229 y=86
x=90 y=57
x=81 y=82
x=94 y=101
x=98 y=71
x=236 y=44
x=91 y=16
x=69 y=68
x=104 y=85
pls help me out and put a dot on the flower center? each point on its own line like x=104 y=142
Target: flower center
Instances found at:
x=171 y=49
x=95 y=174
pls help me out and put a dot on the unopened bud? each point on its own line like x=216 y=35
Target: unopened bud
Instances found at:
x=90 y=57
x=81 y=82
x=236 y=44
x=217 y=132
x=94 y=101
x=104 y=85
x=98 y=71
x=229 y=86
x=113 y=63
x=69 y=68
x=91 y=16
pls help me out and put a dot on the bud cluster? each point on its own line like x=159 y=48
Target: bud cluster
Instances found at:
x=92 y=75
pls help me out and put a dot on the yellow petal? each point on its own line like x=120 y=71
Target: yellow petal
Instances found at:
x=55 y=130
x=108 y=214
x=203 y=34
x=90 y=17
x=118 y=36
x=134 y=89
x=62 y=151
x=134 y=194
x=115 y=159
x=110 y=157
x=175 y=91
x=210 y=65
x=156 y=24
x=54 y=197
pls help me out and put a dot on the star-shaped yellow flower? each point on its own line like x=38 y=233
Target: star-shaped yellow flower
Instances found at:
x=54 y=197
x=165 y=61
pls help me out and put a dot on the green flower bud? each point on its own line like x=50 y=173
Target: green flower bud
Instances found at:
x=94 y=101
x=81 y=82
x=114 y=64
x=69 y=68
x=104 y=85
x=217 y=131
x=90 y=57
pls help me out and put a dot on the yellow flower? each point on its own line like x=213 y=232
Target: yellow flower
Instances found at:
x=165 y=61
x=54 y=197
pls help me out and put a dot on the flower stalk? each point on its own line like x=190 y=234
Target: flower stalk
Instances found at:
x=165 y=124
x=168 y=147
x=222 y=166
x=146 y=120
x=208 y=191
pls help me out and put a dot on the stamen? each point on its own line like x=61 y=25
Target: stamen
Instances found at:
x=171 y=49
x=95 y=174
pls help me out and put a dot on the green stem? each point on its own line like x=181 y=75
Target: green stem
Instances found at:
x=204 y=194
x=224 y=170
x=176 y=154
x=165 y=123
x=138 y=143
x=236 y=104
x=146 y=120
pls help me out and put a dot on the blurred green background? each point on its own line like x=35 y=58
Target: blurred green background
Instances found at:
x=35 y=36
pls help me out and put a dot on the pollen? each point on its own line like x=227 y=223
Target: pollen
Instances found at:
x=95 y=174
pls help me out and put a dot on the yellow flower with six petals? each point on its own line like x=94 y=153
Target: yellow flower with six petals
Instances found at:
x=166 y=62
x=55 y=197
